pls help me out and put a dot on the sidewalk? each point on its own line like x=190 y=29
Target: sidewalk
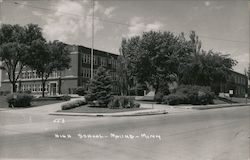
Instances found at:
x=204 y=107
x=150 y=109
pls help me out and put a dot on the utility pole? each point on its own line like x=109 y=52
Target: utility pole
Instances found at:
x=1 y=22
x=93 y=32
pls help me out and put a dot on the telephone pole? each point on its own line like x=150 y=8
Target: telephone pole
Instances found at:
x=1 y=22
x=93 y=32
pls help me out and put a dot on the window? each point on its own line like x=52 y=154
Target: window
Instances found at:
x=95 y=71
x=95 y=60
x=115 y=63
x=34 y=74
x=103 y=61
x=46 y=88
x=86 y=58
x=29 y=75
x=40 y=88
x=54 y=74
x=86 y=72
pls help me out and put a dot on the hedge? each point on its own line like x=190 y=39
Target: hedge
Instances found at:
x=19 y=100
x=73 y=104
x=122 y=102
x=187 y=94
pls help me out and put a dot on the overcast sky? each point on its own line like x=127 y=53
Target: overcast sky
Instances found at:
x=222 y=25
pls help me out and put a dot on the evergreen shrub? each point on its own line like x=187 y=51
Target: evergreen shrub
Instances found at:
x=19 y=100
x=122 y=102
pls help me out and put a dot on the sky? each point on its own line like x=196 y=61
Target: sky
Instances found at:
x=222 y=25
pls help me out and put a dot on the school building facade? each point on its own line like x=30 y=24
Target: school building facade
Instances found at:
x=67 y=81
x=237 y=83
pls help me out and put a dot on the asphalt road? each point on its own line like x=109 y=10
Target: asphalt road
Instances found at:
x=218 y=134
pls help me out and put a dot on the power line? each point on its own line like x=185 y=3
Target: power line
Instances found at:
x=71 y=14
x=119 y=23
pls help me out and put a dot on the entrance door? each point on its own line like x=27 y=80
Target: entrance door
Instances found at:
x=53 y=88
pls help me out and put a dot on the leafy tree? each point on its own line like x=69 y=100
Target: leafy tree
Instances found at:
x=122 y=76
x=248 y=72
x=48 y=57
x=100 y=87
x=15 y=43
x=154 y=57
x=158 y=58
x=205 y=68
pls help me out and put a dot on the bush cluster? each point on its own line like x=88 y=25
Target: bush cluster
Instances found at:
x=187 y=94
x=65 y=98
x=73 y=104
x=4 y=93
x=80 y=91
x=19 y=100
x=159 y=97
x=50 y=98
x=122 y=102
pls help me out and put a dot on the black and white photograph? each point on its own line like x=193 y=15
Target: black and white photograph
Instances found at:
x=124 y=80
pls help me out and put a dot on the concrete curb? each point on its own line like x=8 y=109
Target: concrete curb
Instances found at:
x=120 y=114
x=219 y=106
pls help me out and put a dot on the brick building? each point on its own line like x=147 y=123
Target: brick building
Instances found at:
x=237 y=82
x=76 y=76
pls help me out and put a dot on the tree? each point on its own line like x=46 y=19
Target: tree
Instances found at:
x=248 y=72
x=154 y=57
x=205 y=68
x=122 y=75
x=100 y=87
x=15 y=43
x=48 y=57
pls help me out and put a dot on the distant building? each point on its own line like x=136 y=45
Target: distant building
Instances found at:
x=237 y=82
x=76 y=76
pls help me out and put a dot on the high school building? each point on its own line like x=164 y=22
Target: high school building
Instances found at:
x=76 y=76
x=236 y=82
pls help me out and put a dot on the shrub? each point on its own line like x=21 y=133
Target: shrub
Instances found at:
x=132 y=91
x=187 y=94
x=65 y=98
x=137 y=105
x=100 y=87
x=158 y=97
x=19 y=100
x=27 y=91
x=4 y=93
x=80 y=91
x=199 y=95
x=175 y=99
x=123 y=102
x=73 y=104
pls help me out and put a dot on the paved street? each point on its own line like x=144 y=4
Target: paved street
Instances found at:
x=217 y=134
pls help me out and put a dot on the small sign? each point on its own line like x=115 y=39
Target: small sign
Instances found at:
x=15 y=96
x=231 y=91
x=246 y=95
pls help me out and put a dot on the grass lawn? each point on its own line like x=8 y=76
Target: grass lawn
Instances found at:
x=87 y=109
x=42 y=103
x=4 y=103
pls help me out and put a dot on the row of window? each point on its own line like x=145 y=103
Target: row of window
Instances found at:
x=239 y=80
x=240 y=90
x=86 y=72
x=34 y=75
x=103 y=60
x=33 y=87
x=114 y=87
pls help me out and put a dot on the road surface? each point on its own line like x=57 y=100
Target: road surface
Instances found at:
x=217 y=134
